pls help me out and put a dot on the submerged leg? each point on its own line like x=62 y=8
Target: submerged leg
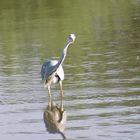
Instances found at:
x=49 y=96
x=61 y=95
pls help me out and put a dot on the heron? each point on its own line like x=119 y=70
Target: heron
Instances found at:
x=52 y=72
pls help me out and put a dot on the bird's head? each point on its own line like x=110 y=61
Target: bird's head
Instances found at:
x=71 y=38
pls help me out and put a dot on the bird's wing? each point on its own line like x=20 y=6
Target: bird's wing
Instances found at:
x=48 y=68
x=57 y=67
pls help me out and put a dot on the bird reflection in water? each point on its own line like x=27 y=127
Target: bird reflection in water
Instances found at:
x=52 y=72
x=55 y=120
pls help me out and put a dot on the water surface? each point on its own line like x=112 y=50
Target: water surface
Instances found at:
x=102 y=68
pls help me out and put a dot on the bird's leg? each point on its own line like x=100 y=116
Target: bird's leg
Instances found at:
x=50 y=98
x=61 y=95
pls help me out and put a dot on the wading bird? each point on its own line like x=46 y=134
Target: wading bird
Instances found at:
x=52 y=71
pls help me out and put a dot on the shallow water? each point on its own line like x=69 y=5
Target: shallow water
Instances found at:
x=102 y=68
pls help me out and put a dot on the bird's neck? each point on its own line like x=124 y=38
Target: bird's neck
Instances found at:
x=64 y=53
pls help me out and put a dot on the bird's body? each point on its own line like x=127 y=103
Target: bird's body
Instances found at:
x=52 y=71
x=47 y=70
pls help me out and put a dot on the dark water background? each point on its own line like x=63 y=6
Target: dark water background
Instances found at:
x=102 y=68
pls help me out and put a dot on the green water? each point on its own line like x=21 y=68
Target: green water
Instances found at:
x=102 y=68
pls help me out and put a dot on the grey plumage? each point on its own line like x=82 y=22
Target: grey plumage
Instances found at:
x=52 y=71
x=49 y=68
